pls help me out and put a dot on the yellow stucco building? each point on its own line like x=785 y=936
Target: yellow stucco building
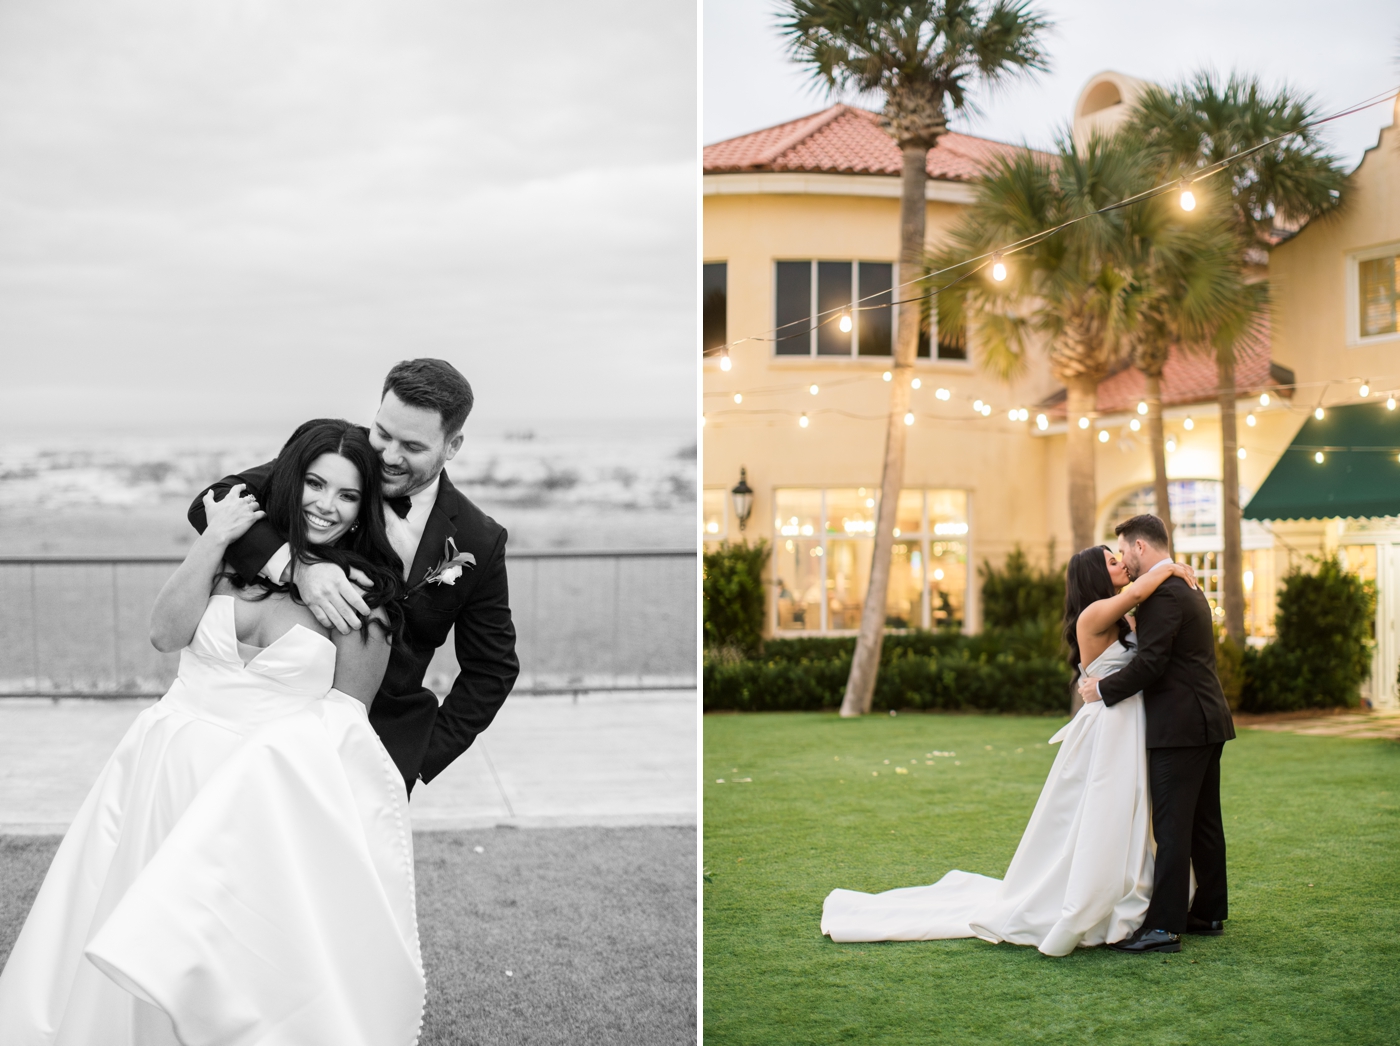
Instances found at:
x=802 y=220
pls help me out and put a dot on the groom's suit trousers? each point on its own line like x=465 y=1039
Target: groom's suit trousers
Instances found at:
x=1189 y=830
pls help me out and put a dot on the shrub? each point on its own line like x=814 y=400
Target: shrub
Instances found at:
x=1019 y=592
x=1322 y=652
x=733 y=596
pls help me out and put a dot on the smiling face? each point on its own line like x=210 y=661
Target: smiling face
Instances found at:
x=330 y=498
x=1116 y=572
x=411 y=445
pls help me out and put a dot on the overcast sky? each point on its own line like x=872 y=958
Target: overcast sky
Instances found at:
x=247 y=210
x=1340 y=52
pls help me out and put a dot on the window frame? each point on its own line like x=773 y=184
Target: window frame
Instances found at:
x=1355 y=340
x=706 y=353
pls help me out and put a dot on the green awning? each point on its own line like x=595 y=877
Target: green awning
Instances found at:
x=1359 y=474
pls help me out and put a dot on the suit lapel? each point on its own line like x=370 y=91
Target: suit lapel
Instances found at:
x=441 y=525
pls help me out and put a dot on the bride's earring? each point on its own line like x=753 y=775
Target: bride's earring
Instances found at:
x=354 y=526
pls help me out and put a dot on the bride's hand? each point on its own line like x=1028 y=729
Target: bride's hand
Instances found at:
x=228 y=520
x=1183 y=570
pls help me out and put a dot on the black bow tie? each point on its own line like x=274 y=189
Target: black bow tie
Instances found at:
x=400 y=505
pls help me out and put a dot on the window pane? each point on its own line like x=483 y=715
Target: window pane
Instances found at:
x=947 y=583
x=902 y=606
x=712 y=523
x=875 y=323
x=797 y=577
x=910 y=517
x=797 y=513
x=847 y=575
x=794 y=309
x=851 y=513
x=1195 y=505
x=1379 y=281
x=833 y=293
x=947 y=512
x=716 y=305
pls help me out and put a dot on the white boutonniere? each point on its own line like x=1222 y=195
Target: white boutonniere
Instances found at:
x=450 y=568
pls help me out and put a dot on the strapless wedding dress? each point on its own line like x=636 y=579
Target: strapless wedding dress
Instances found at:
x=241 y=872
x=1082 y=875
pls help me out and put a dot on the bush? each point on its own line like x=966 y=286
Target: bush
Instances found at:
x=733 y=596
x=1003 y=671
x=1019 y=592
x=1322 y=653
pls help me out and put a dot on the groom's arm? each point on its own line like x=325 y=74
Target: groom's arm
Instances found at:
x=1159 y=619
x=250 y=553
x=485 y=641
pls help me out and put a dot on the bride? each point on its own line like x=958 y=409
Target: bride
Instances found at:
x=1082 y=875
x=242 y=870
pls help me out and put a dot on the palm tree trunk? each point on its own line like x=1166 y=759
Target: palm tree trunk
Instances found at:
x=1232 y=561
x=1158 y=441
x=860 y=685
x=1079 y=452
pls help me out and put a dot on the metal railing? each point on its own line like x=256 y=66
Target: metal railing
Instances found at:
x=590 y=620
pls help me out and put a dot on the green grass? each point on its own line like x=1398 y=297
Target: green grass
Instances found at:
x=1309 y=956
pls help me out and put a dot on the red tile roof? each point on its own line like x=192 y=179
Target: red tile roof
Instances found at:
x=1188 y=378
x=847 y=140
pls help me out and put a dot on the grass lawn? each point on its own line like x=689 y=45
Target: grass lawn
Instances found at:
x=811 y=802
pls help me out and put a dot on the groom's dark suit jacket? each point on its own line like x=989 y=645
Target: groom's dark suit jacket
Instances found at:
x=422 y=737
x=1175 y=670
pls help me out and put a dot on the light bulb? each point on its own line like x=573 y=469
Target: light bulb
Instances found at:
x=986 y=410
x=1188 y=198
x=1250 y=420
x=886 y=376
x=1083 y=423
x=998 y=268
x=1171 y=446
x=1241 y=453
x=1142 y=408
x=738 y=397
x=1263 y=399
x=814 y=390
x=1188 y=424
x=942 y=394
x=909 y=418
x=1042 y=422
x=977 y=406
x=1390 y=403
x=802 y=421
x=845 y=325
x=1365 y=390
x=1319 y=414
x=1025 y=414
x=1013 y=414
x=916 y=383
x=1318 y=457
x=1135 y=424
x=1103 y=435
x=725 y=363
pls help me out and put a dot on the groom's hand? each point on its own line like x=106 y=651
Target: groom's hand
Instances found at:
x=1089 y=689
x=333 y=598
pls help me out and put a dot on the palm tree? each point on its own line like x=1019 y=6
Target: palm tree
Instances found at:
x=1260 y=197
x=922 y=55
x=1082 y=289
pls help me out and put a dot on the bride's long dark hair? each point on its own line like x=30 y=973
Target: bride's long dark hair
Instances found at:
x=1086 y=581
x=365 y=546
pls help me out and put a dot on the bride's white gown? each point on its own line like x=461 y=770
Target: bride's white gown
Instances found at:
x=241 y=872
x=1082 y=874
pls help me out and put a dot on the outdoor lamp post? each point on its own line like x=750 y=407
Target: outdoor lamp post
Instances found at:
x=743 y=498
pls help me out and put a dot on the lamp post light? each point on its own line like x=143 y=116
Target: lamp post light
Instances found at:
x=743 y=498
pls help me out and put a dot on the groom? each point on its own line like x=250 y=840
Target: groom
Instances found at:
x=454 y=563
x=1188 y=723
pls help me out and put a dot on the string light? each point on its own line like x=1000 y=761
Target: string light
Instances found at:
x=886 y=376
x=1390 y=403
x=1103 y=435
x=738 y=397
x=1025 y=414
x=1263 y=399
x=1188 y=198
x=814 y=390
x=998 y=268
x=1171 y=444
x=1142 y=408
x=986 y=410
x=1365 y=390
x=1241 y=453
x=1042 y=422
x=845 y=325
x=725 y=363
x=802 y=421
x=1013 y=414
x=977 y=406
x=1250 y=420
x=942 y=394
x=916 y=383
x=1318 y=457
x=1135 y=424
x=909 y=417
x=1319 y=414
x=1083 y=423
x=1188 y=424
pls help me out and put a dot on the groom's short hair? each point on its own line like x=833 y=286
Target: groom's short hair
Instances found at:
x=1146 y=527
x=430 y=384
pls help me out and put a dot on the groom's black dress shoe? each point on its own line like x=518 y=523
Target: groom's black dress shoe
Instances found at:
x=1149 y=941
x=1205 y=927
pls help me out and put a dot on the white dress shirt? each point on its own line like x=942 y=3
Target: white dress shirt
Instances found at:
x=404 y=534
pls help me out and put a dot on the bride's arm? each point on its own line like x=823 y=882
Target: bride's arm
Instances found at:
x=361 y=658
x=1098 y=617
x=185 y=596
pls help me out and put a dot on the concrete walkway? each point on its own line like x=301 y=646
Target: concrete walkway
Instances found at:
x=1378 y=725
x=600 y=759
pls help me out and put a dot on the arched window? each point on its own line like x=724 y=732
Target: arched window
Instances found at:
x=1195 y=505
